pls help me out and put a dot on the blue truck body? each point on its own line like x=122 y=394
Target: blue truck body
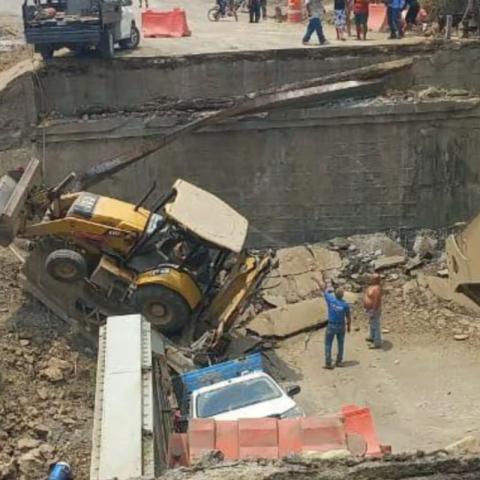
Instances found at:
x=188 y=382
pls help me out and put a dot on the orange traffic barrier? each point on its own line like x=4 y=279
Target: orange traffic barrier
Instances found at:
x=201 y=437
x=264 y=437
x=294 y=11
x=359 y=421
x=156 y=23
x=377 y=17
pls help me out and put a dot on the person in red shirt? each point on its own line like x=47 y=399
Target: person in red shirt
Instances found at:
x=360 y=11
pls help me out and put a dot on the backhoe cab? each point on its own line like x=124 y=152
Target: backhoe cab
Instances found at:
x=106 y=256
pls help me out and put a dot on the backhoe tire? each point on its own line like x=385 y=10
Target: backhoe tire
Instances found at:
x=107 y=45
x=165 y=309
x=66 y=266
x=133 y=41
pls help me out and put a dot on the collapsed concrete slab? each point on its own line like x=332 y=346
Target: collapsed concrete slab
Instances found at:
x=295 y=318
x=378 y=242
x=301 y=274
x=383 y=263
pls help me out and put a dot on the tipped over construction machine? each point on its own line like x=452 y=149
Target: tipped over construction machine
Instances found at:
x=92 y=256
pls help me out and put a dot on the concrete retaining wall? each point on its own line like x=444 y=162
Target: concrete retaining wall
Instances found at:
x=298 y=175
x=310 y=174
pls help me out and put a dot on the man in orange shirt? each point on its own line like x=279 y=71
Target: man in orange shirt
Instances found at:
x=372 y=302
x=360 y=11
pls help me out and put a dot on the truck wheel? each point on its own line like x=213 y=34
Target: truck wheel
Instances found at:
x=107 y=45
x=66 y=265
x=133 y=41
x=46 y=52
x=165 y=309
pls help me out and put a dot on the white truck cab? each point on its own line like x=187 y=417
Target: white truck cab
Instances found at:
x=252 y=395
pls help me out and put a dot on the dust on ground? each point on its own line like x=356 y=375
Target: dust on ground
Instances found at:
x=46 y=386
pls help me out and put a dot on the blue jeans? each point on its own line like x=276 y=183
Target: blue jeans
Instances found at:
x=314 y=25
x=222 y=6
x=332 y=332
x=374 y=320
x=394 y=17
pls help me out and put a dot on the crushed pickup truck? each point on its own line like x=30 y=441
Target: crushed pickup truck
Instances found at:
x=92 y=256
x=233 y=390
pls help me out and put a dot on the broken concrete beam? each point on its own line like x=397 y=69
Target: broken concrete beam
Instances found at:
x=295 y=260
x=294 y=318
x=291 y=288
x=384 y=263
x=425 y=244
x=326 y=260
x=369 y=244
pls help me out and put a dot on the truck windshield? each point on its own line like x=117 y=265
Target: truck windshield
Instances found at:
x=235 y=396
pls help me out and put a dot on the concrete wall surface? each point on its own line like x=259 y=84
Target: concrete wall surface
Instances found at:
x=73 y=86
x=310 y=174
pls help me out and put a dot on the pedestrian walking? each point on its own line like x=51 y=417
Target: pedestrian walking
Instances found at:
x=412 y=13
x=141 y=3
x=360 y=11
x=340 y=18
x=254 y=10
x=339 y=321
x=372 y=302
x=394 y=16
x=348 y=13
x=315 y=12
x=263 y=8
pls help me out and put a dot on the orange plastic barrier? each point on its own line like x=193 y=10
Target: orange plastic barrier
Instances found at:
x=156 y=23
x=377 y=17
x=294 y=11
x=359 y=420
x=257 y=438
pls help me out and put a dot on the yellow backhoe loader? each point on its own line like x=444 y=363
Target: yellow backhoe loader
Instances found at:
x=94 y=256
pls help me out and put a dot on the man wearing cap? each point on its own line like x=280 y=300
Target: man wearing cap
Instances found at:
x=372 y=302
x=339 y=320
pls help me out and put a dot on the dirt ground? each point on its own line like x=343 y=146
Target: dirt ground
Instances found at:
x=47 y=379
x=421 y=387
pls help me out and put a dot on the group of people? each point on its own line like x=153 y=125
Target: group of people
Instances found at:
x=340 y=320
x=360 y=9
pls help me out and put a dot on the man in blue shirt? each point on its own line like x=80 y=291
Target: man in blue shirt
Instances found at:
x=339 y=320
x=394 y=17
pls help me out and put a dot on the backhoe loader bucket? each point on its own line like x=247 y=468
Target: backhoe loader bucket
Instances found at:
x=14 y=189
x=463 y=260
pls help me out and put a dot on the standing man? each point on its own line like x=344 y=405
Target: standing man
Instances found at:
x=339 y=320
x=263 y=6
x=315 y=11
x=254 y=10
x=141 y=3
x=372 y=302
x=360 y=11
x=340 y=7
x=394 y=16
x=412 y=13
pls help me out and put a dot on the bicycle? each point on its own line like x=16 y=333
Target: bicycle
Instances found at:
x=214 y=14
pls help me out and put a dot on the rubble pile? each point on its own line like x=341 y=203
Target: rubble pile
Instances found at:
x=46 y=387
x=414 y=280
